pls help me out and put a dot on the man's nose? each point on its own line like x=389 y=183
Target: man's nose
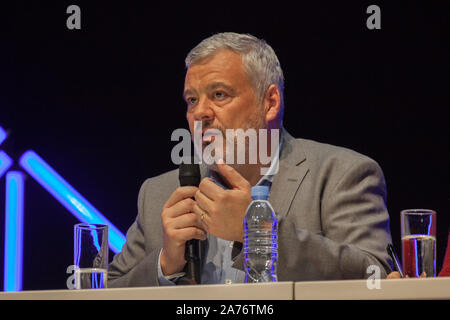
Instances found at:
x=203 y=111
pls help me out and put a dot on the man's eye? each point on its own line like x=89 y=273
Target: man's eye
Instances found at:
x=191 y=101
x=220 y=95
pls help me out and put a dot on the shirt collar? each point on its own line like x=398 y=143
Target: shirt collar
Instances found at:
x=268 y=177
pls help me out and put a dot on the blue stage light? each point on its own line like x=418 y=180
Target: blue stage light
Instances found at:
x=3 y=135
x=12 y=278
x=5 y=162
x=68 y=196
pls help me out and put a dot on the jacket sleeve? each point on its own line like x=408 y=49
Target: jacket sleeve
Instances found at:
x=355 y=226
x=133 y=266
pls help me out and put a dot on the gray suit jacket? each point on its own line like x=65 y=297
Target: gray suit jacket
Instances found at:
x=331 y=206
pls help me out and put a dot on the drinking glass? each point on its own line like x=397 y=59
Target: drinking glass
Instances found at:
x=418 y=231
x=91 y=255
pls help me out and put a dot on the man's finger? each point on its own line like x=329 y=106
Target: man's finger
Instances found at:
x=234 y=179
x=203 y=216
x=187 y=220
x=394 y=275
x=181 y=207
x=203 y=201
x=210 y=189
x=179 y=194
x=190 y=233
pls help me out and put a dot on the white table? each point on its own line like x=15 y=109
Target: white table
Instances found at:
x=428 y=288
x=264 y=291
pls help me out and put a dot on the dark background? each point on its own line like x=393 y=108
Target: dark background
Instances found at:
x=99 y=104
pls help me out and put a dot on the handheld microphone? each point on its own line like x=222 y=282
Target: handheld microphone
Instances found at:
x=189 y=175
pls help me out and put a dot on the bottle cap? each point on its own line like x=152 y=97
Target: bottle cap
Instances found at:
x=260 y=192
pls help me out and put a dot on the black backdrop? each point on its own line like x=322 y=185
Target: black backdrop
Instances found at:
x=99 y=104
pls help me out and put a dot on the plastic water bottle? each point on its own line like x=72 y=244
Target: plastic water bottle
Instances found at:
x=260 y=238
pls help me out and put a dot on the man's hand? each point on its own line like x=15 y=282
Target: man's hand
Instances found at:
x=396 y=275
x=180 y=224
x=222 y=211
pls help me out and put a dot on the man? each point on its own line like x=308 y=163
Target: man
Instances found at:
x=330 y=201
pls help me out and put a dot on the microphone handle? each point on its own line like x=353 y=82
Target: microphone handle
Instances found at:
x=192 y=255
x=189 y=175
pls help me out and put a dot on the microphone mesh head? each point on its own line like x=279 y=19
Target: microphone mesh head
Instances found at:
x=189 y=174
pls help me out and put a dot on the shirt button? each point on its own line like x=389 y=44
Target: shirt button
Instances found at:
x=228 y=281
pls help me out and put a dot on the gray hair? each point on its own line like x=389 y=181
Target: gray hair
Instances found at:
x=260 y=61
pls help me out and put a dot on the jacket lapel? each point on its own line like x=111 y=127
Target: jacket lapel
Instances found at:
x=292 y=170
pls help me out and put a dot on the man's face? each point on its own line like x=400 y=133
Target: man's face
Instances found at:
x=219 y=94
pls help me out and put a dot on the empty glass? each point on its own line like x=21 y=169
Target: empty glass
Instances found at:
x=91 y=255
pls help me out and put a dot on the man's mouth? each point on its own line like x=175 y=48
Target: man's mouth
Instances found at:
x=208 y=138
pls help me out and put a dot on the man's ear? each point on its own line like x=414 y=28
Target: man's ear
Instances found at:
x=272 y=104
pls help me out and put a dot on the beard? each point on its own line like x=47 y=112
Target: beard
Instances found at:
x=234 y=149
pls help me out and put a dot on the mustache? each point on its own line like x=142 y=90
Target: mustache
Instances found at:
x=207 y=125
